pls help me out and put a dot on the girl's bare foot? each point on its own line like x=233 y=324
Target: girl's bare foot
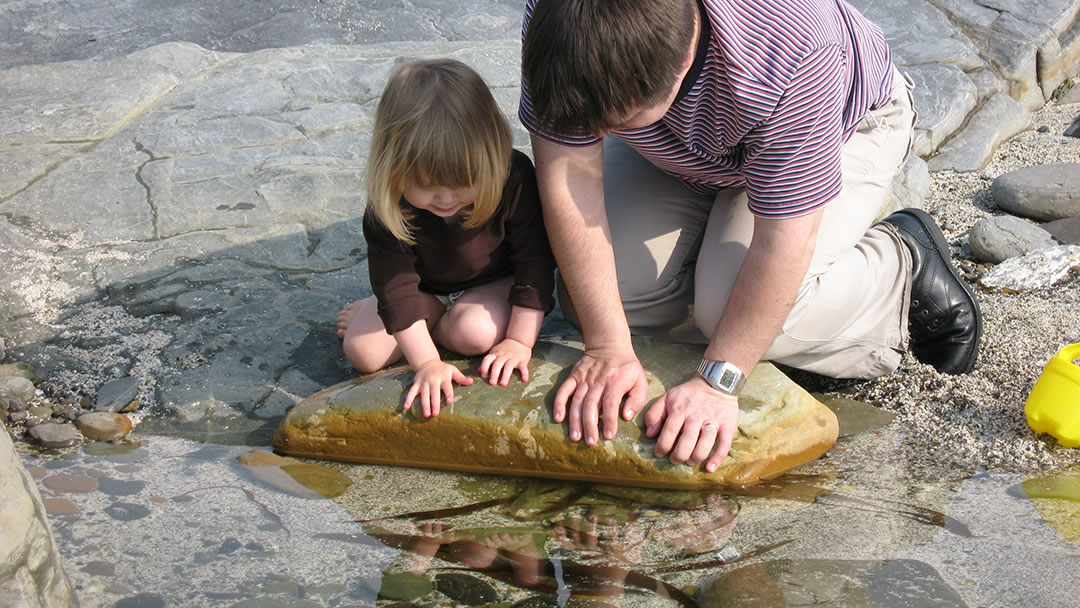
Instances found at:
x=345 y=317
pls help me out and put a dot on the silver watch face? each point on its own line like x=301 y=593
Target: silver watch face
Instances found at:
x=721 y=375
x=728 y=379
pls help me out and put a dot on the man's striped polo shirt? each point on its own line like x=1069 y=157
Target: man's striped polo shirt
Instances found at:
x=776 y=89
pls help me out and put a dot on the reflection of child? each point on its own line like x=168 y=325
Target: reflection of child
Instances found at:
x=456 y=246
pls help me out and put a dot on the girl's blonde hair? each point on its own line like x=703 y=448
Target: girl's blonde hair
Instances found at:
x=436 y=125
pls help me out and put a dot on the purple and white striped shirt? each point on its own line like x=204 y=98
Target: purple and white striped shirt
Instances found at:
x=783 y=84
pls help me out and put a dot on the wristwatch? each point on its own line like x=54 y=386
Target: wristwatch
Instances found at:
x=722 y=376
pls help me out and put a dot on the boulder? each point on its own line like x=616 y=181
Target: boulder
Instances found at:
x=1042 y=192
x=996 y=239
x=1066 y=231
x=509 y=430
x=31 y=572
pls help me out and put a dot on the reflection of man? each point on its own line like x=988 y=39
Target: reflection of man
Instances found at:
x=756 y=144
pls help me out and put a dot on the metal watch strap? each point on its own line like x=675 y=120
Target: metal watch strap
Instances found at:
x=721 y=375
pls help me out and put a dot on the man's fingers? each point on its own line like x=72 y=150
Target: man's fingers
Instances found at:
x=590 y=416
x=705 y=443
x=668 y=435
x=726 y=434
x=635 y=399
x=568 y=388
x=688 y=439
x=574 y=414
x=655 y=416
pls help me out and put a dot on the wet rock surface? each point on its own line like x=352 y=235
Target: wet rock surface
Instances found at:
x=510 y=430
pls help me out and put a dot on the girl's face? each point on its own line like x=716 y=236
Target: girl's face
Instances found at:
x=439 y=200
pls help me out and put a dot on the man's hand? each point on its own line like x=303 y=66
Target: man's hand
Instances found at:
x=691 y=419
x=433 y=379
x=597 y=384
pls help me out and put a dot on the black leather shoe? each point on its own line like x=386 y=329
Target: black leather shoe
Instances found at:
x=944 y=319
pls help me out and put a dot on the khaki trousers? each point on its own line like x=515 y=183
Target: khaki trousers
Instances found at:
x=675 y=248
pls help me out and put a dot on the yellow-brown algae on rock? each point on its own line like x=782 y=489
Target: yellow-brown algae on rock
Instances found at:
x=510 y=431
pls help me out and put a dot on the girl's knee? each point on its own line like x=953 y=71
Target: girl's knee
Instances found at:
x=472 y=333
x=361 y=358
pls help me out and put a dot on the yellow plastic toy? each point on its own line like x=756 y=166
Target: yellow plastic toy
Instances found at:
x=1054 y=403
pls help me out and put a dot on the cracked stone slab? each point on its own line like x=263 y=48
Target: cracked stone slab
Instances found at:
x=998 y=119
x=235 y=147
x=32 y=32
x=944 y=96
x=86 y=101
x=919 y=33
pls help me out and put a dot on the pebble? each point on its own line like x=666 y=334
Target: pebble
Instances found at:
x=1066 y=231
x=17 y=416
x=41 y=411
x=99 y=568
x=60 y=506
x=1074 y=128
x=116 y=395
x=67 y=411
x=121 y=487
x=52 y=435
x=103 y=426
x=70 y=483
x=1042 y=192
x=15 y=393
x=126 y=511
x=996 y=239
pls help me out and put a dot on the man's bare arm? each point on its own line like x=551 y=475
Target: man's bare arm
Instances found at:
x=692 y=418
x=572 y=193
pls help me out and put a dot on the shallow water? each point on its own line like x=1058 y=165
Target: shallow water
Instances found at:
x=166 y=521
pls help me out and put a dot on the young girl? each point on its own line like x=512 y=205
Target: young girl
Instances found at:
x=457 y=251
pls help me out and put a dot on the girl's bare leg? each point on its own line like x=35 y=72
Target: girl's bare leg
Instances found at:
x=367 y=344
x=477 y=320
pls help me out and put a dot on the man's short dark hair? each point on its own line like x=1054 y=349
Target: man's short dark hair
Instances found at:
x=589 y=62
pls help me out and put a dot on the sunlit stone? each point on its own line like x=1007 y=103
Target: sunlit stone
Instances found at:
x=509 y=430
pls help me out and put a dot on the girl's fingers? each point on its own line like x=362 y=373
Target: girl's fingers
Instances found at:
x=485 y=364
x=411 y=395
x=425 y=401
x=507 y=373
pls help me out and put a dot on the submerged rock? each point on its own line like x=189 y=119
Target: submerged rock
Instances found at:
x=510 y=431
x=303 y=479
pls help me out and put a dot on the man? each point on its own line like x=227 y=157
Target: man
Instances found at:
x=755 y=144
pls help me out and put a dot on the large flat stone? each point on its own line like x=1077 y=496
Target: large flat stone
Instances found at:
x=998 y=119
x=944 y=96
x=509 y=430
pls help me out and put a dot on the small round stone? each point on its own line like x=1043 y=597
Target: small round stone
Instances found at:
x=52 y=435
x=103 y=426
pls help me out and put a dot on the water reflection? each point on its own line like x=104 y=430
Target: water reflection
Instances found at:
x=618 y=544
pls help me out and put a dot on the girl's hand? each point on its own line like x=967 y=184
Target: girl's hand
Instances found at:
x=432 y=380
x=499 y=364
